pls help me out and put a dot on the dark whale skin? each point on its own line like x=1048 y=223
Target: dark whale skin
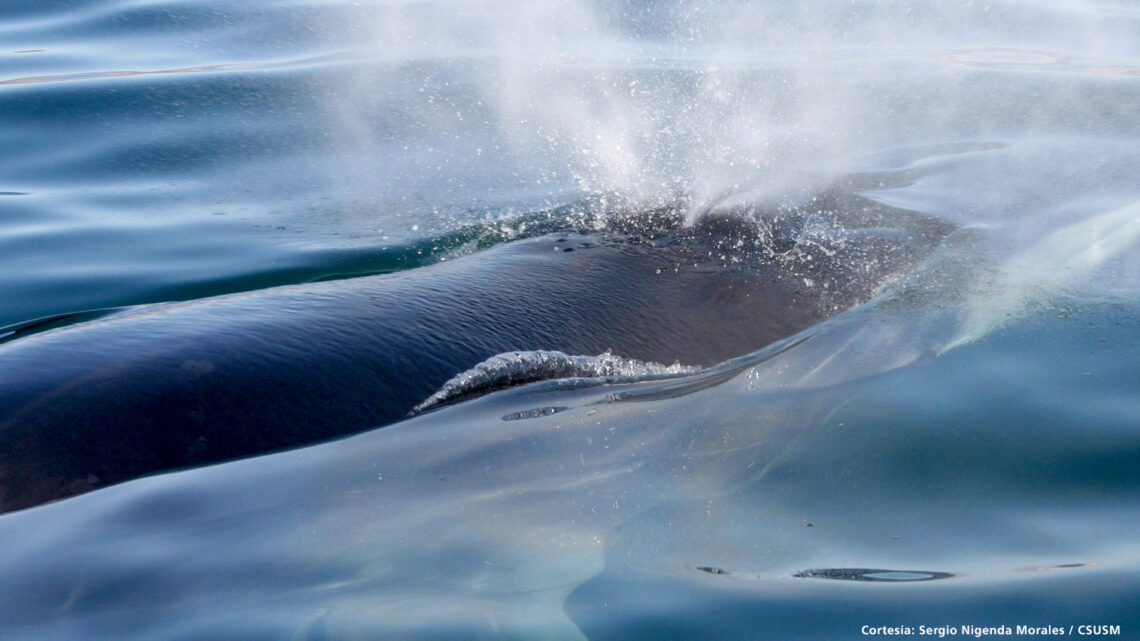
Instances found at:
x=177 y=385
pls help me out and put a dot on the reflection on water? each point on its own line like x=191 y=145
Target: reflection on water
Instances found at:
x=263 y=65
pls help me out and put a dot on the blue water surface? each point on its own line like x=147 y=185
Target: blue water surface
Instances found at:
x=962 y=450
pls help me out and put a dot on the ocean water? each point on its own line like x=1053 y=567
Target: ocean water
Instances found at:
x=962 y=450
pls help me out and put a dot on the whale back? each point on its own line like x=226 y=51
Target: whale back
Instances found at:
x=177 y=385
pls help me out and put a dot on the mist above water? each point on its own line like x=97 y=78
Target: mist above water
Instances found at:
x=762 y=100
x=1010 y=117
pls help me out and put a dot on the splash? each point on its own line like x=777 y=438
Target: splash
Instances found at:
x=646 y=101
x=1061 y=260
x=518 y=368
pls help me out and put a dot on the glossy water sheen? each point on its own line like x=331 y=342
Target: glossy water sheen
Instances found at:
x=962 y=451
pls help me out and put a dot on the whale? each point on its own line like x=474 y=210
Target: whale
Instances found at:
x=178 y=385
x=757 y=498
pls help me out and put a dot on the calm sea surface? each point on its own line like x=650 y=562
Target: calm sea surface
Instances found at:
x=964 y=450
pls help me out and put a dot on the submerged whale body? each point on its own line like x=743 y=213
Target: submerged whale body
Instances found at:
x=169 y=386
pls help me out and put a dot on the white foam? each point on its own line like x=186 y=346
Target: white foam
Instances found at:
x=518 y=368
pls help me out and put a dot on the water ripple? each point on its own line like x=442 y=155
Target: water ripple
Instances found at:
x=299 y=63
